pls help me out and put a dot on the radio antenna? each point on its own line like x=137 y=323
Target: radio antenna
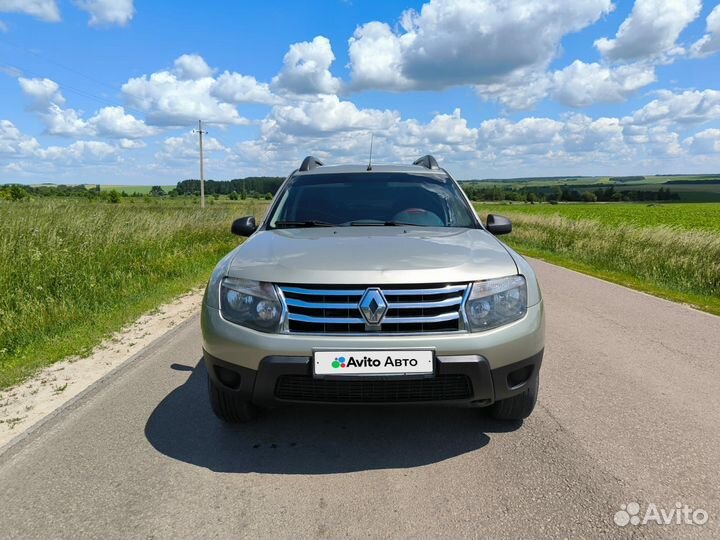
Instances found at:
x=372 y=136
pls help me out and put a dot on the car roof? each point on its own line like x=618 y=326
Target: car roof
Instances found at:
x=345 y=169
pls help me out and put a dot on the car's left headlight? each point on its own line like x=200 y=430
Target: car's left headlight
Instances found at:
x=496 y=302
x=254 y=304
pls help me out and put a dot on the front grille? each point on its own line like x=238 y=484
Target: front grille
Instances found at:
x=307 y=388
x=333 y=309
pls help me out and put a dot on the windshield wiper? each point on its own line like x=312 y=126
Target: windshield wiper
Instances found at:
x=308 y=223
x=383 y=224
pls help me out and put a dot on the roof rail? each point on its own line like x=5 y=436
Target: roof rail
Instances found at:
x=429 y=162
x=310 y=163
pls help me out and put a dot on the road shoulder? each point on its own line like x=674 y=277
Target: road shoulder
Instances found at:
x=24 y=406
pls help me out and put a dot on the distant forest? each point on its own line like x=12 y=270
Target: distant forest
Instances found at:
x=252 y=186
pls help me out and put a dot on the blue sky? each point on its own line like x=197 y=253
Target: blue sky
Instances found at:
x=109 y=91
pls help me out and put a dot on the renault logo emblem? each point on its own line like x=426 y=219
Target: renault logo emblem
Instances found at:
x=373 y=306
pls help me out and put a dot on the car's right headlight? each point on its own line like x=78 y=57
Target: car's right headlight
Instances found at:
x=254 y=304
x=495 y=302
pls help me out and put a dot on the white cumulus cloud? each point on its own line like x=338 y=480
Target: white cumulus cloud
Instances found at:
x=185 y=147
x=131 y=144
x=47 y=10
x=107 y=12
x=710 y=42
x=189 y=92
x=582 y=85
x=652 y=28
x=306 y=68
x=456 y=42
x=502 y=132
x=80 y=152
x=578 y=85
x=704 y=142
x=41 y=92
x=238 y=88
x=115 y=122
x=173 y=101
x=46 y=100
x=192 y=66
x=64 y=122
x=327 y=114
x=13 y=143
x=685 y=108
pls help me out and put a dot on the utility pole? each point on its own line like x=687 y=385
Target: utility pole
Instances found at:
x=200 y=132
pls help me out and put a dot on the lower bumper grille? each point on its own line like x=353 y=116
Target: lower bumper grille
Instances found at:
x=439 y=388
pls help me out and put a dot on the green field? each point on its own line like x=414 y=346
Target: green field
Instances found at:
x=129 y=189
x=73 y=271
x=602 y=180
x=689 y=188
x=691 y=217
x=543 y=182
x=670 y=250
x=688 y=192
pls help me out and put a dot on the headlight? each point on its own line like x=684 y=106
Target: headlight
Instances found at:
x=495 y=302
x=254 y=304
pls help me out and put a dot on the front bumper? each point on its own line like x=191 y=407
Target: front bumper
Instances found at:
x=471 y=368
x=247 y=348
x=458 y=380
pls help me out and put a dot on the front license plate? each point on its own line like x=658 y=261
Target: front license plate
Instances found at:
x=390 y=362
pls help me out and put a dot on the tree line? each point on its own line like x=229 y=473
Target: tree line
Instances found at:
x=477 y=192
x=253 y=187
x=249 y=187
x=266 y=186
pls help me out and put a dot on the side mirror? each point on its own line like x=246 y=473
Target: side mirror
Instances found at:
x=498 y=224
x=244 y=226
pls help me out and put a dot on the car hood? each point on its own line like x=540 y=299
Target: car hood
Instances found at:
x=371 y=255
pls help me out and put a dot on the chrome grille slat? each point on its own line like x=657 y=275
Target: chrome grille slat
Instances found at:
x=388 y=292
x=315 y=305
x=325 y=320
x=388 y=320
x=323 y=292
x=443 y=317
x=454 y=301
x=416 y=292
x=334 y=309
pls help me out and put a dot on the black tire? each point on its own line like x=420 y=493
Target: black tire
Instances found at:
x=517 y=407
x=228 y=406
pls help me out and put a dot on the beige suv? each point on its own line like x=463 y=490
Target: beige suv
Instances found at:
x=372 y=285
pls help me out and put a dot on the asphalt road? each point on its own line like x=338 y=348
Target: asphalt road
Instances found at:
x=629 y=411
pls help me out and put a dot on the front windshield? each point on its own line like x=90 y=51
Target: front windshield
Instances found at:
x=362 y=199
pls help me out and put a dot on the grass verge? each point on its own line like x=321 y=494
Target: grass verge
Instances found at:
x=703 y=303
x=71 y=272
x=671 y=262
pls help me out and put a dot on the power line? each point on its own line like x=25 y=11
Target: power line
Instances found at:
x=220 y=139
x=49 y=60
x=90 y=95
x=68 y=88
x=82 y=92
x=200 y=132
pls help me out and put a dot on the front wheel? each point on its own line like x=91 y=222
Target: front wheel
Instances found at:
x=517 y=407
x=228 y=406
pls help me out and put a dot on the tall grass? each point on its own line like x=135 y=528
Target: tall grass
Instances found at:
x=670 y=261
x=687 y=216
x=72 y=271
